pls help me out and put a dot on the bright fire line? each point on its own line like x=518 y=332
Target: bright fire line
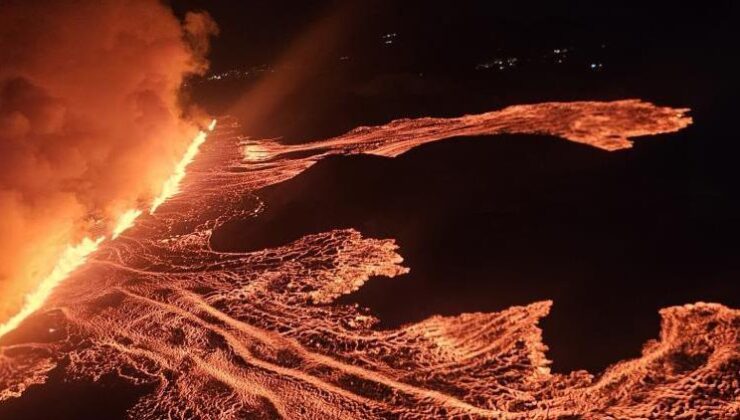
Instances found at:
x=172 y=185
x=76 y=255
x=126 y=220
x=72 y=257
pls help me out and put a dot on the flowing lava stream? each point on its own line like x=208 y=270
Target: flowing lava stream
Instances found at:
x=76 y=255
x=230 y=335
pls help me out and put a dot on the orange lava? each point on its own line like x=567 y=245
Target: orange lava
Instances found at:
x=171 y=186
x=604 y=125
x=241 y=335
x=125 y=222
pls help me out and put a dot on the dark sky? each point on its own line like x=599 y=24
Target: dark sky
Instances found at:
x=257 y=32
x=488 y=223
x=673 y=53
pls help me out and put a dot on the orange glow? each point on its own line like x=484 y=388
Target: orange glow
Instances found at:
x=255 y=152
x=125 y=222
x=171 y=186
x=73 y=257
x=607 y=126
x=263 y=332
x=92 y=120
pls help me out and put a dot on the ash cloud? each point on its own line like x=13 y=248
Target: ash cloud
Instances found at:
x=91 y=121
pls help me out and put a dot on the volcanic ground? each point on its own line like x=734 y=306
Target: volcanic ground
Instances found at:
x=179 y=318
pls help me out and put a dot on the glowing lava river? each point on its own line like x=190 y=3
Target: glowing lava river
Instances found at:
x=241 y=335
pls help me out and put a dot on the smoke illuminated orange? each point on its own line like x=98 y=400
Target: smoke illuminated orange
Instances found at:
x=92 y=118
x=75 y=256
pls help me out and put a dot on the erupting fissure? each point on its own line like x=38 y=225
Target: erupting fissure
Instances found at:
x=125 y=221
x=75 y=255
x=172 y=185
x=72 y=257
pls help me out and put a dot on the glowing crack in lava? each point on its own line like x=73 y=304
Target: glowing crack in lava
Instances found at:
x=71 y=258
x=75 y=256
x=228 y=335
x=125 y=222
x=171 y=186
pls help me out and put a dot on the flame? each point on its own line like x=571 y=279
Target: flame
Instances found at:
x=71 y=258
x=125 y=221
x=171 y=186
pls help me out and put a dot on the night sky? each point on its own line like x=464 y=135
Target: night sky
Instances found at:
x=488 y=223
x=435 y=63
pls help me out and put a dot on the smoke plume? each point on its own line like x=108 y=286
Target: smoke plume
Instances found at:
x=91 y=121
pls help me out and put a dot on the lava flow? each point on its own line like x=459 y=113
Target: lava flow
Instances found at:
x=228 y=335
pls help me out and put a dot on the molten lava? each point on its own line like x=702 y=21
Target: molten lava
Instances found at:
x=125 y=222
x=71 y=258
x=171 y=186
x=233 y=335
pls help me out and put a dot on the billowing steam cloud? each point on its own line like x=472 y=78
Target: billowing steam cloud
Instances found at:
x=91 y=121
